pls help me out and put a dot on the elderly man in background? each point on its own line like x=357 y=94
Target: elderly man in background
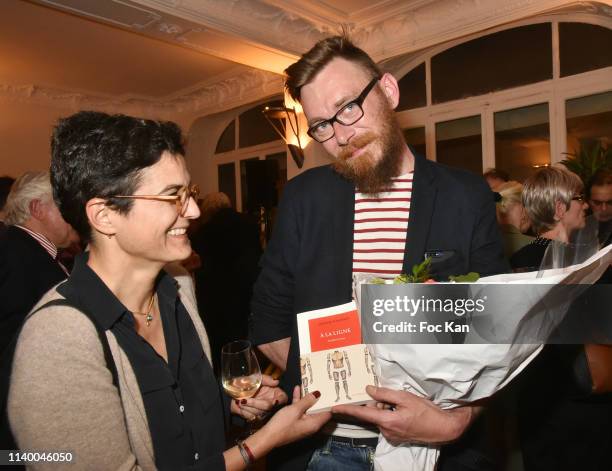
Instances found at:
x=28 y=250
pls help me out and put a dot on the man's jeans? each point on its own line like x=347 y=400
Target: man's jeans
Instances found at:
x=336 y=456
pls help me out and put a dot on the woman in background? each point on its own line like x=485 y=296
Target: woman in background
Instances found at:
x=558 y=430
x=512 y=217
x=122 y=183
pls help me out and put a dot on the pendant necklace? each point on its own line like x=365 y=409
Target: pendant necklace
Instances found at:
x=149 y=312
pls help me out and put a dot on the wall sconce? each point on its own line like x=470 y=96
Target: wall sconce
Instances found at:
x=278 y=117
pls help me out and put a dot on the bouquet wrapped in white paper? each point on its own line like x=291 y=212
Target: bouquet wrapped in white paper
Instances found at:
x=452 y=375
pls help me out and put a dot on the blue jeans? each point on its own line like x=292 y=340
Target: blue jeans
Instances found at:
x=335 y=456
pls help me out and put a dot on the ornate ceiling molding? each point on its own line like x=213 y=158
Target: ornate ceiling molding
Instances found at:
x=267 y=35
x=385 y=28
x=438 y=22
x=244 y=87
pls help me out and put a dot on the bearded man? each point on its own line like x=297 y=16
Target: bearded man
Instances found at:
x=377 y=208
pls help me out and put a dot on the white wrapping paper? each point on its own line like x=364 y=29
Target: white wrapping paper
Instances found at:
x=453 y=375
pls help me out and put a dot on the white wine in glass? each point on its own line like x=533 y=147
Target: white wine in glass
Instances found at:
x=240 y=373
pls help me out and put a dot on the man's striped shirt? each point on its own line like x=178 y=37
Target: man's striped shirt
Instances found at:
x=381 y=227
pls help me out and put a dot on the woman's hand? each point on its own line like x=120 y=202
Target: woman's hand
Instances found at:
x=268 y=396
x=291 y=422
x=288 y=425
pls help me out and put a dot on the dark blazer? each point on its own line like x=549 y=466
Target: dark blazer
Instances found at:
x=27 y=271
x=308 y=263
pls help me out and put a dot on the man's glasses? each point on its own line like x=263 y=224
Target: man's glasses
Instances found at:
x=181 y=199
x=347 y=115
x=601 y=203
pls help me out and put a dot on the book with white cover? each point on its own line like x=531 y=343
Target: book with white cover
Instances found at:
x=333 y=360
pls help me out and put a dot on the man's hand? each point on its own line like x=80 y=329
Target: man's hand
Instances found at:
x=277 y=352
x=412 y=418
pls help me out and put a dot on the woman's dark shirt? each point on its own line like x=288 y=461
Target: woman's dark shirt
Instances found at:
x=558 y=430
x=182 y=399
x=529 y=257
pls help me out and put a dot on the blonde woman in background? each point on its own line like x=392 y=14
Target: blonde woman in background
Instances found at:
x=512 y=217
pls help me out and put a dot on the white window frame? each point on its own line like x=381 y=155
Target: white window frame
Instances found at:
x=241 y=153
x=553 y=92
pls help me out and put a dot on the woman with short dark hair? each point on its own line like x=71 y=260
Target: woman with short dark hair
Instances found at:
x=121 y=376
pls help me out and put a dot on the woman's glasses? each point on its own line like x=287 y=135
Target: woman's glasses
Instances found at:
x=181 y=199
x=579 y=198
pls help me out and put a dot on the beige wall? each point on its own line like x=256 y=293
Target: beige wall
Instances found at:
x=25 y=134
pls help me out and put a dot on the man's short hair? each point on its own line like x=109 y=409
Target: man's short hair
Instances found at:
x=28 y=187
x=602 y=177
x=312 y=62
x=5 y=187
x=100 y=155
x=543 y=190
x=497 y=173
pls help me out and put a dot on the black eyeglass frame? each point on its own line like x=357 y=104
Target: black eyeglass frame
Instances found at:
x=357 y=101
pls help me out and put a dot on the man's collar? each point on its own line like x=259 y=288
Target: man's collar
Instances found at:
x=42 y=240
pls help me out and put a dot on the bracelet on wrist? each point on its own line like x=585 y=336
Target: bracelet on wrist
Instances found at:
x=245 y=452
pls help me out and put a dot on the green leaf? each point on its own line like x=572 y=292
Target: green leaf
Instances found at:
x=377 y=281
x=470 y=277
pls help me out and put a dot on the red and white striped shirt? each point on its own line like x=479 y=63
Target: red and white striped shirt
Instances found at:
x=380 y=230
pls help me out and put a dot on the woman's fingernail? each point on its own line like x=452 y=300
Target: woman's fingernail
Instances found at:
x=276 y=402
x=237 y=402
x=244 y=401
x=317 y=394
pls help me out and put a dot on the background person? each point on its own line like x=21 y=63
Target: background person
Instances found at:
x=28 y=250
x=229 y=248
x=512 y=217
x=123 y=184
x=557 y=428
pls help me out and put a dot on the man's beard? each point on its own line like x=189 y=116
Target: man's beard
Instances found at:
x=368 y=175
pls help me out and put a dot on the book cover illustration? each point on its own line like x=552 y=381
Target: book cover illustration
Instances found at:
x=332 y=358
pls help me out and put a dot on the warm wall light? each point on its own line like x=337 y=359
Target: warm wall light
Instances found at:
x=278 y=117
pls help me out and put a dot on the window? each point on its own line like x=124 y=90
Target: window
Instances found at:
x=254 y=128
x=522 y=140
x=227 y=181
x=415 y=138
x=584 y=47
x=494 y=100
x=502 y=60
x=459 y=143
x=413 y=93
x=227 y=141
x=589 y=120
x=247 y=141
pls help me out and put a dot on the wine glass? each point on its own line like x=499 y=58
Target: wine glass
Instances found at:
x=240 y=372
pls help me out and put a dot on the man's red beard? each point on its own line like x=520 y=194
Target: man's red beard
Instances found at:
x=368 y=174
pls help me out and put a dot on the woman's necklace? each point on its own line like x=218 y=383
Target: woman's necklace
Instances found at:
x=149 y=311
